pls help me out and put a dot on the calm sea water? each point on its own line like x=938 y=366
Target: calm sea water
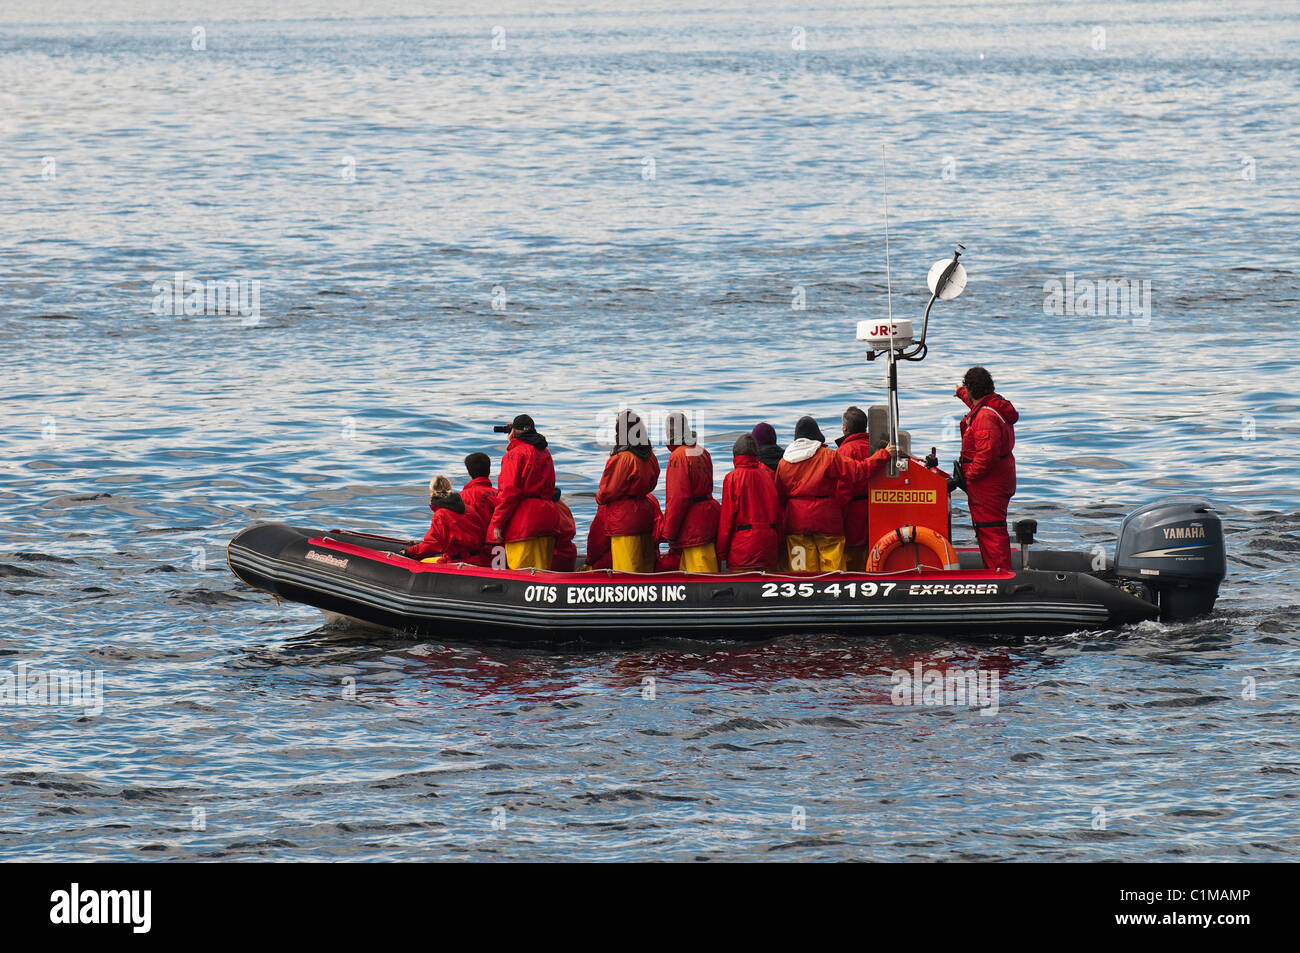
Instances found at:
x=479 y=210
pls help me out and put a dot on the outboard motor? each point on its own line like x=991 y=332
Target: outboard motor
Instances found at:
x=1174 y=546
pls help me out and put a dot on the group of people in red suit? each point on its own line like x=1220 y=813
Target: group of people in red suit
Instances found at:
x=798 y=508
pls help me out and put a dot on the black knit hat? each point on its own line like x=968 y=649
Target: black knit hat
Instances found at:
x=745 y=446
x=808 y=429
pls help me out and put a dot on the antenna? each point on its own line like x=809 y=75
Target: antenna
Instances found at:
x=947 y=279
x=889 y=285
x=889 y=296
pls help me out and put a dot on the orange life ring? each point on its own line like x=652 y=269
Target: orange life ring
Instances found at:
x=937 y=543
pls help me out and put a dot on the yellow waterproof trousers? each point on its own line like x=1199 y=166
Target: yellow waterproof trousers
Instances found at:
x=632 y=553
x=532 y=553
x=700 y=558
x=815 y=553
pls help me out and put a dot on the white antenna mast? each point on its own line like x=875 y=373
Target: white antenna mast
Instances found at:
x=946 y=280
x=889 y=288
x=889 y=297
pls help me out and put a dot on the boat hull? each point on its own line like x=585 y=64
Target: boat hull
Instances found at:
x=361 y=577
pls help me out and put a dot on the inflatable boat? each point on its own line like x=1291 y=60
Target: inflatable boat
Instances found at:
x=1168 y=565
x=1169 y=561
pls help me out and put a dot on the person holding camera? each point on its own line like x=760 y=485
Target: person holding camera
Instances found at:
x=524 y=520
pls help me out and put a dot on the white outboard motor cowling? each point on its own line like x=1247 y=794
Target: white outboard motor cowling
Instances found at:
x=1174 y=546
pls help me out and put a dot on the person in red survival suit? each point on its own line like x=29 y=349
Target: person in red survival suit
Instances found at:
x=479 y=494
x=749 y=527
x=566 y=554
x=598 y=551
x=690 y=523
x=815 y=484
x=631 y=472
x=856 y=446
x=455 y=531
x=525 y=516
x=986 y=469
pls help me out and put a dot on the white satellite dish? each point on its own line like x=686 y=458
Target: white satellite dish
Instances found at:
x=956 y=282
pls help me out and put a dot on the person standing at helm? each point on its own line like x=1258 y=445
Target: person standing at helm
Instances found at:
x=855 y=445
x=690 y=523
x=524 y=519
x=628 y=518
x=814 y=485
x=749 y=528
x=988 y=468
